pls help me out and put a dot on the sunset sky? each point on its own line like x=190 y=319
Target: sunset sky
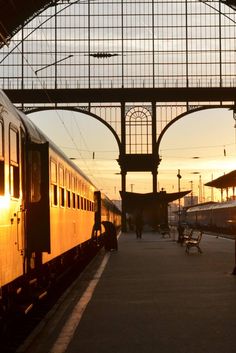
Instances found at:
x=202 y=145
x=107 y=44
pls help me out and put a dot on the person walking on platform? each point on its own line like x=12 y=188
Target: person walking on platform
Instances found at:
x=139 y=226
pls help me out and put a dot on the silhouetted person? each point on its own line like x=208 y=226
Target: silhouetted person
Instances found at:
x=181 y=233
x=139 y=226
x=129 y=223
x=110 y=238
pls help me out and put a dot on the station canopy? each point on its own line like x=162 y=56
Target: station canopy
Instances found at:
x=224 y=182
x=134 y=200
x=16 y=13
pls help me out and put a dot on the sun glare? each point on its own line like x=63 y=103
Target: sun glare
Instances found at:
x=4 y=202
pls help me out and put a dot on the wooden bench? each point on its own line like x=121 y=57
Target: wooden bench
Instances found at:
x=194 y=241
x=187 y=235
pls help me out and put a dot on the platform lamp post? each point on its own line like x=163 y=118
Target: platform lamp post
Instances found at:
x=179 y=225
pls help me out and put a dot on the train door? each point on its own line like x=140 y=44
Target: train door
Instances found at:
x=15 y=239
x=17 y=183
x=97 y=209
x=38 y=213
x=21 y=233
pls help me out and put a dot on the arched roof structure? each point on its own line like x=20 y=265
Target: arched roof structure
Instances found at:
x=231 y=3
x=16 y=13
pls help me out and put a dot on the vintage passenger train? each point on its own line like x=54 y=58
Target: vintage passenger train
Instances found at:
x=48 y=208
x=213 y=216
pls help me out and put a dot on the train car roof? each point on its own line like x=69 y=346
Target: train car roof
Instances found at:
x=213 y=205
x=7 y=104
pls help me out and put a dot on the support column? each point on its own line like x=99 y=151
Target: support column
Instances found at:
x=123 y=209
x=123 y=170
x=154 y=181
x=154 y=152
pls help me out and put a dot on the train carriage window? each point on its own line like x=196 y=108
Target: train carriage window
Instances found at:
x=68 y=186
x=78 y=202
x=35 y=176
x=73 y=200
x=62 y=197
x=53 y=173
x=82 y=203
x=2 y=175
x=68 y=198
x=73 y=188
x=14 y=162
x=62 y=186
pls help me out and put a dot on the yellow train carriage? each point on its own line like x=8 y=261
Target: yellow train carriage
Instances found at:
x=48 y=210
x=71 y=207
x=12 y=142
x=60 y=205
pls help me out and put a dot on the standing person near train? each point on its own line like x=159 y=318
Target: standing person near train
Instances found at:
x=110 y=240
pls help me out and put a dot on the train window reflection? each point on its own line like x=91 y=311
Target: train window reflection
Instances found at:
x=61 y=175
x=53 y=172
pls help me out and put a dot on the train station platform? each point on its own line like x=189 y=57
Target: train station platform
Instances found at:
x=150 y=296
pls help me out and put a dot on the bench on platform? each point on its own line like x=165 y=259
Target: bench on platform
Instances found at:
x=194 y=241
x=187 y=235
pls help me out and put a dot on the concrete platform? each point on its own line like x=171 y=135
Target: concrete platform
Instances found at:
x=151 y=297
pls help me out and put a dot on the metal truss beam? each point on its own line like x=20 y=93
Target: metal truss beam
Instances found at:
x=122 y=95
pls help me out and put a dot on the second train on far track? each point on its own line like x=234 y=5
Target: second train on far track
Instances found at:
x=218 y=217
